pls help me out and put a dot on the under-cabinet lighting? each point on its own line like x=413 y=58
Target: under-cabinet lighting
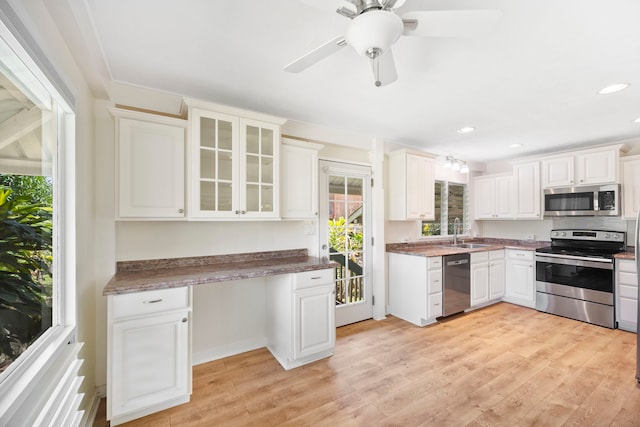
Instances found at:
x=466 y=129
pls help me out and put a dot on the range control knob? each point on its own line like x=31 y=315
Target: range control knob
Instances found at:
x=607 y=236
x=615 y=236
x=563 y=234
x=554 y=234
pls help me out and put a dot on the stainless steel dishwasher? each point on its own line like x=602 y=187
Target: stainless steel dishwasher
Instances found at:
x=457 y=284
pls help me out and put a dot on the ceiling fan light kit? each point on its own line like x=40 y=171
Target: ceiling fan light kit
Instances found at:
x=377 y=24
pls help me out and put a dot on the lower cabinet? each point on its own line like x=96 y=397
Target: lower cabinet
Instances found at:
x=627 y=295
x=415 y=288
x=301 y=317
x=149 y=353
x=487 y=277
x=520 y=281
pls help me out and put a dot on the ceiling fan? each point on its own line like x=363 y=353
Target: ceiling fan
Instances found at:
x=377 y=24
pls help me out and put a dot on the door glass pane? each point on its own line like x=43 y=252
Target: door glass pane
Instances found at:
x=346 y=235
x=225 y=141
x=225 y=166
x=224 y=197
x=207 y=164
x=267 y=199
x=207 y=196
x=267 y=142
x=207 y=132
x=253 y=198
x=252 y=168
x=266 y=171
x=253 y=140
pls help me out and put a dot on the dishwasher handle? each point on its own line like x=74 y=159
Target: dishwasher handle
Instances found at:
x=458 y=262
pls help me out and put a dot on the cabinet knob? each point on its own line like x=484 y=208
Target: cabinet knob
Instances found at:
x=180 y=210
x=184 y=320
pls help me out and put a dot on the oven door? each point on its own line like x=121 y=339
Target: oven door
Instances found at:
x=589 y=279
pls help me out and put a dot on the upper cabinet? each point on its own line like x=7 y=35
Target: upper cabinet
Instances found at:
x=233 y=164
x=150 y=152
x=299 y=179
x=631 y=186
x=586 y=167
x=493 y=197
x=411 y=183
x=528 y=196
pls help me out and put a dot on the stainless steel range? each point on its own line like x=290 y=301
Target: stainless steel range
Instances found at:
x=575 y=275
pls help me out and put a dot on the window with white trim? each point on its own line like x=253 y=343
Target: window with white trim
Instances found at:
x=451 y=202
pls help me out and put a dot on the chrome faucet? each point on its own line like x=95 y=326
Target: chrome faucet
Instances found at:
x=456 y=225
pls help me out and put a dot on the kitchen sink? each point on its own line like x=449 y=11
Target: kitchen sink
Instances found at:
x=466 y=245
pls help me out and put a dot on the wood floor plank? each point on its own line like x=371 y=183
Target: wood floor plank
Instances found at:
x=502 y=365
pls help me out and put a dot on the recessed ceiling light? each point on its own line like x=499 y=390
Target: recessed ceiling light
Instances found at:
x=637 y=120
x=515 y=145
x=466 y=129
x=613 y=88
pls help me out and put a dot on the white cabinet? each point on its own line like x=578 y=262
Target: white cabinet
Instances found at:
x=301 y=317
x=487 y=277
x=631 y=186
x=149 y=352
x=497 y=272
x=299 y=180
x=493 y=197
x=627 y=295
x=585 y=167
x=479 y=278
x=150 y=154
x=415 y=288
x=520 y=280
x=411 y=177
x=233 y=165
x=528 y=193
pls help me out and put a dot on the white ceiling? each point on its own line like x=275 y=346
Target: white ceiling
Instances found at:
x=532 y=80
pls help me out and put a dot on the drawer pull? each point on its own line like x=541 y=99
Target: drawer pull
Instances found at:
x=316 y=278
x=184 y=320
x=152 y=301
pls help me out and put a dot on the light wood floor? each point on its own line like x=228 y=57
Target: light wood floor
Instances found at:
x=504 y=365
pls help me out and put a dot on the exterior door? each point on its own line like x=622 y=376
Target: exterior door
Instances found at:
x=345 y=224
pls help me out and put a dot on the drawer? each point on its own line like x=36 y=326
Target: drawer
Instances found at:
x=435 y=305
x=626 y=265
x=148 y=302
x=434 y=262
x=479 y=257
x=629 y=279
x=522 y=255
x=625 y=291
x=434 y=281
x=309 y=279
x=496 y=255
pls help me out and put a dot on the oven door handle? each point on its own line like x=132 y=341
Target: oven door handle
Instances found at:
x=603 y=264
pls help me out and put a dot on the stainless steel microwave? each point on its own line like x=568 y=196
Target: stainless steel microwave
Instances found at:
x=601 y=200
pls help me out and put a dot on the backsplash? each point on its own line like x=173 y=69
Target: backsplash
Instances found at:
x=591 y=223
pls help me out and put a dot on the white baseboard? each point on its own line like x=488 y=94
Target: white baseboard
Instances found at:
x=90 y=413
x=226 y=350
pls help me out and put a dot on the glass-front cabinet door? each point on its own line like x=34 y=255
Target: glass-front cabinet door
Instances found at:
x=214 y=164
x=260 y=143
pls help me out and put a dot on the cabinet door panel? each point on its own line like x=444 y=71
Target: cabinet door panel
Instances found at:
x=628 y=311
x=484 y=199
x=597 y=168
x=299 y=182
x=479 y=283
x=520 y=286
x=631 y=186
x=151 y=170
x=314 y=325
x=497 y=276
x=150 y=363
x=558 y=172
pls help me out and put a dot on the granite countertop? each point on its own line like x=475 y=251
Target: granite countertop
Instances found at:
x=146 y=275
x=628 y=254
x=437 y=248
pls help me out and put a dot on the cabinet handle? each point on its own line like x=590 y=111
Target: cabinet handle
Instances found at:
x=316 y=278
x=237 y=212
x=184 y=320
x=437 y=304
x=180 y=210
x=243 y=212
x=152 y=301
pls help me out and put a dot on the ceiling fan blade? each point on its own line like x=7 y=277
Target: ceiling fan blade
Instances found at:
x=316 y=55
x=451 y=23
x=384 y=69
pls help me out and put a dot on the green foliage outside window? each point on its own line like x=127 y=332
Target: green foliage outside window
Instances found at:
x=26 y=283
